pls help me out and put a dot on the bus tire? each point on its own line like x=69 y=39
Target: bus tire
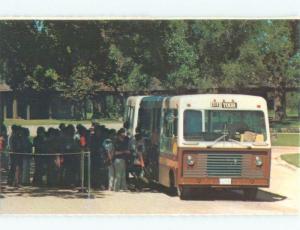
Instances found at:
x=250 y=193
x=182 y=192
x=172 y=188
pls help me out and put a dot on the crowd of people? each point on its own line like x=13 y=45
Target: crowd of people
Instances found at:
x=59 y=156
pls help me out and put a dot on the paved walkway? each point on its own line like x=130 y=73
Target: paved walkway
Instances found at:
x=281 y=198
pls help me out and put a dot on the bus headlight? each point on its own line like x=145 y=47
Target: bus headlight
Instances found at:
x=190 y=160
x=258 y=161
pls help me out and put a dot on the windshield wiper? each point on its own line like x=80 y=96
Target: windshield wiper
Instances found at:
x=240 y=143
x=217 y=140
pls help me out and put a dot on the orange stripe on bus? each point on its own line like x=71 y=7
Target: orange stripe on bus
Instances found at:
x=168 y=162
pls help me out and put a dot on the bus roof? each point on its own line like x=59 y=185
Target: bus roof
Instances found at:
x=152 y=101
x=204 y=101
x=218 y=101
x=133 y=100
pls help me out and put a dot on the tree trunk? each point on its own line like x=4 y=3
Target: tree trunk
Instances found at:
x=85 y=109
x=102 y=100
x=284 y=104
x=15 y=108
x=121 y=100
x=96 y=108
x=50 y=112
x=279 y=101
x=104 y=105
x=28 y=112
x=72 y=111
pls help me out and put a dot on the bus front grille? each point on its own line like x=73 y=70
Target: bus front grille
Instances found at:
x=224 y=165
x=221 y=164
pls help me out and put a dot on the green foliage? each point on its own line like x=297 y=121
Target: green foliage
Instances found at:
x=76 y=58
x=265 y=57
x=293 y=68
x=119 y=68
x=80 y=85
x=181 y=56
x=293 y=102
x=286 y=139
x=42 y=79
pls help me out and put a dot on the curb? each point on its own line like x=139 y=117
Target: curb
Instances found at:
x=286 y=164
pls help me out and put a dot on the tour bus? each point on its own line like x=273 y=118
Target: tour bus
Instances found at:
x=131 y=113
x=204 y=141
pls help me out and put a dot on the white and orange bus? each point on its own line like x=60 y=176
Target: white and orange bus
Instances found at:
x=204 y=141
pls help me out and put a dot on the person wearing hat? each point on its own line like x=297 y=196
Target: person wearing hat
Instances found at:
x=121 y=153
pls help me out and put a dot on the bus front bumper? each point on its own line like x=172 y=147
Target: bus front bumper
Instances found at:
x=223 y=182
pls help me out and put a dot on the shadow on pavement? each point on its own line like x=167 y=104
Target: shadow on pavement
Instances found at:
x=33 y=191
x=64 y=193
x=232 y=195
x=141 y=187
x=213 y=194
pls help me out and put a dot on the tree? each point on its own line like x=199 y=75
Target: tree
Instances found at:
x=217 y=43
x=267 y=59
x=78 y=58
x=181 y=57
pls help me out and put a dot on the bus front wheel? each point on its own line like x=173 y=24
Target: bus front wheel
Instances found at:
x=250 y=193
x=182 y=192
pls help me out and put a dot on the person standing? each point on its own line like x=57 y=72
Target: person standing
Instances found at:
x=137 y=146
x=96 y=158
x=3 y=159
x=39 y=144
x=18 y=149
x=108 y=146
x=27 y=149
x=121 y=153
x=13 y=157
x=71 y=159
x=109 y=149
x=51 y=147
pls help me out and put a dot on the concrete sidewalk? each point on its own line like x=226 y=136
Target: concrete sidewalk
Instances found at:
x=281 y=198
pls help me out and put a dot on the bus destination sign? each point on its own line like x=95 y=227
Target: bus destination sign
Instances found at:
x=224 y=104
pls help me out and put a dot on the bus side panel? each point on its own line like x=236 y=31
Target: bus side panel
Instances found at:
x=164 y=174
x=167 y=165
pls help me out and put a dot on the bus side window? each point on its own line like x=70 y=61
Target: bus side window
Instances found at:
x=156 y=125
x=131 y=118
x=126 y=119
x=175 y=123
x=145 y=121
x=169 y=130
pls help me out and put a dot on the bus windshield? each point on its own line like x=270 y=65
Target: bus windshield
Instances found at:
x=208 y=125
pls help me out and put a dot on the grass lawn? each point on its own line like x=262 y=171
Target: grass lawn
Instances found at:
x=286 y=139
x=293 y=158
x=9 y=122
x=286 y=123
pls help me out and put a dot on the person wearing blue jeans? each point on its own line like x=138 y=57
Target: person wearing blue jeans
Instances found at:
x=121 y=153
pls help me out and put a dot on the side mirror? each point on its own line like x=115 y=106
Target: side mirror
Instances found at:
x=170 y=117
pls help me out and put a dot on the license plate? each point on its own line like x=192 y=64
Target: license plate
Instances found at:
x=225 y=181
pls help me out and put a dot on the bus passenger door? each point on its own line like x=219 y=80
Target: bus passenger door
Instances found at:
x=129 y=120
x=168 y=141
x=145 y=126
x=154 y=152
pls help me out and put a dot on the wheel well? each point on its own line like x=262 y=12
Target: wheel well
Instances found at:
x=172 y=178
